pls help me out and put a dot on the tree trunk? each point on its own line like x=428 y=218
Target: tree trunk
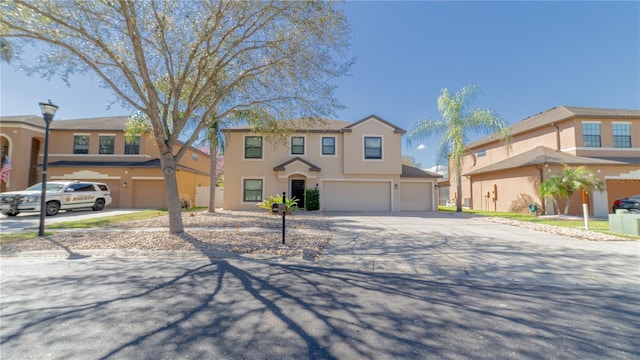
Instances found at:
x=168 y=164
x=458 y=186
x=567 y=205
x=213 y=179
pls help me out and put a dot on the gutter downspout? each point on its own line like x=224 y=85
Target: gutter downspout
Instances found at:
x=557 y=136
x=542 y=199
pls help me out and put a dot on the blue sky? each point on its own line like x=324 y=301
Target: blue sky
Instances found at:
x=526 y=56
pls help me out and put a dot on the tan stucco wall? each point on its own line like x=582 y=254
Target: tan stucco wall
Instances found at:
x=19 y=137
x=516 y=186
x=349 y=156
x=354 y=161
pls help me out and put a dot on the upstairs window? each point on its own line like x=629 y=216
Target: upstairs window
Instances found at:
x=591 y=134
x=481 y=153
x=107 y=143
x=328 y=146
x=253 y=147
x=297 y=145
x=132 y=147
x=372 y=147
x=80 y=144
x=621 y=135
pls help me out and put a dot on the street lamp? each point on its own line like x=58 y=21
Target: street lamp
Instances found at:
x=48 y=110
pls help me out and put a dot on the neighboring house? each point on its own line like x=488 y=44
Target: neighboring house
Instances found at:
x=95 y=149
x=499 y=177
x=356 y=166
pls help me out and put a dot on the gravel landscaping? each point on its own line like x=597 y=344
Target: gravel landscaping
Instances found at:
x=227 y=231
x=241 y=232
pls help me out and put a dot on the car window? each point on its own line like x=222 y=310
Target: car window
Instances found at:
x=103 y=187
x=80 y=187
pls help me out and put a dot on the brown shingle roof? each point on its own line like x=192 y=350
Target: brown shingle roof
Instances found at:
x=111 y=123
x=23 y=119
x=410 y=171
x=558 y=114
x=541 y=156
x=324 y=125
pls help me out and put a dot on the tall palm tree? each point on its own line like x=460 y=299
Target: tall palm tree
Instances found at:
x=216 y=143
x=454 y=128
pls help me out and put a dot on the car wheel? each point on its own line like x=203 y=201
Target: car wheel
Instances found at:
x=52 y=208
x=12 y=213
x=98 y=205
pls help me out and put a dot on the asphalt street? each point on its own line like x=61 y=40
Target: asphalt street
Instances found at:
x=387 y=287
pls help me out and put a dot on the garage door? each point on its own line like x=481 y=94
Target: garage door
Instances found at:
x=149 y=194
x=356 y=196
x=416 y=196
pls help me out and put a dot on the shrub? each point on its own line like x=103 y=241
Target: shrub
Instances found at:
x=312 y=199
x=290 y=203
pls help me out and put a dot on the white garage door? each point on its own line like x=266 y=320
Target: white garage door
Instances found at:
x=356 y=196
x=416 y=196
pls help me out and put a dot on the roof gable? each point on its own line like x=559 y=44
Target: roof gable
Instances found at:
x=395 y=128
x=285 y=164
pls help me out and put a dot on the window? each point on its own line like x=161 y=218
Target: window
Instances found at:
x=621 y=135
x=297 y=145
x=253 y=147
x=372 y=147
x=481 y=153
x=328 y=146
x=591 y=134
x=133 y=146
x=79 y=187
x=106 y=144
x=81 y=144
x=252 y=190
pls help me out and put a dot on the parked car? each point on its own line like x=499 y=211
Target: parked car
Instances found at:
x=61 y=195
x=631 y=203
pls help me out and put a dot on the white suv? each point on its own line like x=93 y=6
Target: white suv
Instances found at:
x=61 y=195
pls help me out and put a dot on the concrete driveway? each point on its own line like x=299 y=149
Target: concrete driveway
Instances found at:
x=458 y=246
x=389 y=286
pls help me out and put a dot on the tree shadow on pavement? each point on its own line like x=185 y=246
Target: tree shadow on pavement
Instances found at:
x=239 y=308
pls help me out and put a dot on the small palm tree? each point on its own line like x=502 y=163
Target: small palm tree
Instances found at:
x=552 y=188
x=576 y=178
x=456 y=123
x=568 y=182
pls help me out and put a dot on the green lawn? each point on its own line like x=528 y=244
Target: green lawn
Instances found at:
x=601 y=226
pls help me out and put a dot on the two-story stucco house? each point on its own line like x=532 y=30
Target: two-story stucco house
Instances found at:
x=96 y=149
x=356 y=166
x=500 y=177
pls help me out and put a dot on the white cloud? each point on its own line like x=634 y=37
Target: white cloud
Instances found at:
x=421 y=146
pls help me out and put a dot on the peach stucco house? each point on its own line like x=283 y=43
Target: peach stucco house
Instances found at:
x=499 y=177
x=356 y=166
x=95 y=149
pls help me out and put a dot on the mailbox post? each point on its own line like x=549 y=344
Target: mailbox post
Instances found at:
x=283 y=209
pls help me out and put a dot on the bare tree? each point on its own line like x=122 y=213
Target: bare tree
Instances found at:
x=196 y=62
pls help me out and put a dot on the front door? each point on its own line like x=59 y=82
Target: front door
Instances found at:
x=297 y=191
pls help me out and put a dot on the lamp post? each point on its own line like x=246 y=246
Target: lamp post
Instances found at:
x=48 y=110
